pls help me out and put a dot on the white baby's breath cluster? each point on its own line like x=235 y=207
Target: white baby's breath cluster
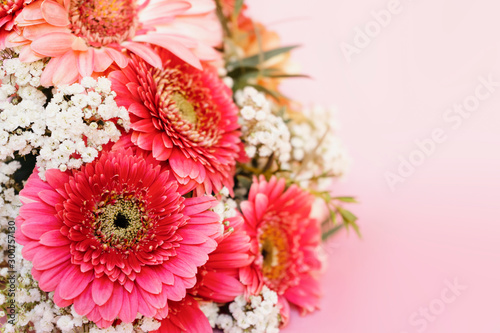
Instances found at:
x=68 y=129
x=316 y=150
x=227 y=207
x=263 y=133
x=228 y=81
x=260 y=314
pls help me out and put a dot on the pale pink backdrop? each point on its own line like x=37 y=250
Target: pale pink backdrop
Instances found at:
x=442 y=225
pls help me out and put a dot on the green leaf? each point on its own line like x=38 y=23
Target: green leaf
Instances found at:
x=349 y=219
x=284 y=76
x=347 y=216
x=239 y=72
x=331 y=232
x=255 y=60
x=331 y=220
x=346 y=199
x=246 y=73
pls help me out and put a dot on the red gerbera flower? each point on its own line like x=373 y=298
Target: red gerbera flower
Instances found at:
x=182 y=115
x=115 y=238
x=284 y=242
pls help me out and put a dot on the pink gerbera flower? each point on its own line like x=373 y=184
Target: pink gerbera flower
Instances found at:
x=87 y=36
x=184 y=317
x=115 y=238
x=284 y=241
x=182 y=115
x=218 y=279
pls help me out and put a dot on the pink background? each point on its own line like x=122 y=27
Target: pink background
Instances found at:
x=443 y=222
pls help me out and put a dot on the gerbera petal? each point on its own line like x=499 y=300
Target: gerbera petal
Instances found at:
x=32 y=12
x=62 y=70
x=102 y=60
x=86 y=62
x=54 y=13
x=53 y=44
x=74 y=282
x=54 y=238
x=149 y=280
x=27 y=55
x=139 y=110
x=145 y=52
x=83 y=303
x=145 y=308
x=111 y=309
x=118 y=57
x=102 y=289
x=170 y=43
x=261 y=203
x=198 y=204
x=201 y=7
x=50 y=279
x=176 y=291
x=159 y=151
x=163 y=12
x=128 y=311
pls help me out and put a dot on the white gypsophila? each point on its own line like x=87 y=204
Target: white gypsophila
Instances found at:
x=211 y=311
x=149 y=324
x=263 y=133
x=226 y=208
x=64 y=131
x=316 y=150
x=260 y=314
x=65 y=324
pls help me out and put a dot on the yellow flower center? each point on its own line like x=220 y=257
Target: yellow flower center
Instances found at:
x=274 y=250
x=186 y=109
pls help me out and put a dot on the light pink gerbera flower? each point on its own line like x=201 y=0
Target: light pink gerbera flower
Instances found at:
x=115 y=238
x=184 y=317
x=87 y=36
x=182 y=115
x=218 y=279
x=284 y=241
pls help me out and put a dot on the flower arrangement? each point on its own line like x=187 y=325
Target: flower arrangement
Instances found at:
x=154 y=179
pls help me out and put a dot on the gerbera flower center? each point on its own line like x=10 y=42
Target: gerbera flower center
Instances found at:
x=102 y=22
x=186 y=109
x=274 y=250
x=185 y=104
x=120 y=223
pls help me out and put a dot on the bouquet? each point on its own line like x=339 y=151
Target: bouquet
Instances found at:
x=153 y=178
